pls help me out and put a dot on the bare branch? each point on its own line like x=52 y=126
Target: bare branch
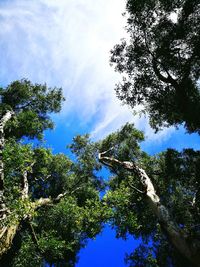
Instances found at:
x=60 y=196
x=34 y=238
x=33 y=234
x=51 y=201
x=25 y=185
x=135 y=188
x=104 y=152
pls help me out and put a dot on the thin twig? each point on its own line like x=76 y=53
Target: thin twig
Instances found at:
x=135 y=188
x=104 y=152
x=34 y=238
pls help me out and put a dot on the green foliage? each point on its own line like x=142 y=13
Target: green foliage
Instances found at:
x=86 y=163
x=27 y=256
x=32 y=104
x=61 y=228
x=142 y=256
x=176 y=178
x=123 y=144
x=14 y=167
x=160 y=61
x=56 y=231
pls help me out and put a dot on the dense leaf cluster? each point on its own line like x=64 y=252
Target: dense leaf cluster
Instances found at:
x=53 y=232
x=61 y=228
x=32 y=105
x=160 y=61
x=176 y=177
x=69 y=188
x=64 y=205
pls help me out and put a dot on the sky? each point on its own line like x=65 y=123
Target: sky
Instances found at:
x=67 y=43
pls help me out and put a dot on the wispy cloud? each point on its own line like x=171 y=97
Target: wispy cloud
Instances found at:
x=66 y=43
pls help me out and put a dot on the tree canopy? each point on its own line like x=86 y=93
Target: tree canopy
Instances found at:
x=50 y=205
x=160 y=61
x=31 y=105
x=155 y=198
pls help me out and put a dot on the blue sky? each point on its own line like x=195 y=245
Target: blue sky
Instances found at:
x=66 y=43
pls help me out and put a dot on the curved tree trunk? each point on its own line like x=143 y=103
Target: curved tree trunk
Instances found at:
x=6 y=238
x=177 y=237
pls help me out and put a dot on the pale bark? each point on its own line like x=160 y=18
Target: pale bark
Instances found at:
x=9 y=230
x=7 y=233
x=3 y=120
x=48 y=201
x=3 y=209
x=7 y=237
x=24 y=191
x=25 y=185
x=176 y=235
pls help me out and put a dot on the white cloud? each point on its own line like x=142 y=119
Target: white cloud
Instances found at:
x=66 y=43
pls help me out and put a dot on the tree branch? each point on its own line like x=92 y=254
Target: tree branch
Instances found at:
x=176 y=235
x=5 y=118
x=51 y=201
x=34 y=238
x=25 y=185
x=110 y=161
x=136 y=189
x=158 y=74
x=2 y=231
x=33 y=234
x=104 y=152
x=155 y=63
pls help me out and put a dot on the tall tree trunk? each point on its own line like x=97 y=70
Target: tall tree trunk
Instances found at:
x=3 y=121
x=7 y=233
x=176 y=235
x=6 y=238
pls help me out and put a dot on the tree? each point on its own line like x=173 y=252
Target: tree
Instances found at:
x=160 y=66
x=49 y=204
x=155 y=198
x=160 y=61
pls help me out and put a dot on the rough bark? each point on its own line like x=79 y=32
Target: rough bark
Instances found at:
x=3 y=120
x=6 y=238
x=7 y=233
x=25 y=185
x=48 y=201
x=176 y=235
x=9 y=230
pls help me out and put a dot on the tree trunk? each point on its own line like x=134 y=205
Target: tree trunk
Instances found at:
x=8 y=230
x=3 y=121
x=7 y=235
x=176 y=235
